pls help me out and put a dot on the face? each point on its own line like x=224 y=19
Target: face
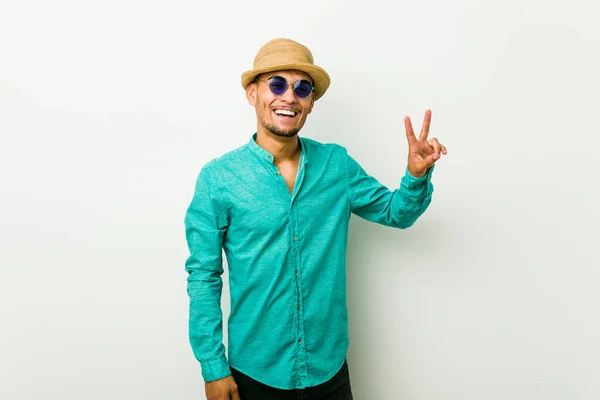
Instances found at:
x=269 y=106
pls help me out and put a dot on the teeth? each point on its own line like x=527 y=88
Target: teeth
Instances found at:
x=285 y=112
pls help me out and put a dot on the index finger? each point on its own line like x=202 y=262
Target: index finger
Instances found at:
x=425 y=128
x=410 y=134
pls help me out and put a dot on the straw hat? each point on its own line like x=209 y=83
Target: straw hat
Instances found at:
x=279 y=54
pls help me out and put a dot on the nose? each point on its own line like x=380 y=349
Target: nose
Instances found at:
x=289 y=95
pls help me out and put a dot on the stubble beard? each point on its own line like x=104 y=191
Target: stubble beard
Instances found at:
x=278 y=132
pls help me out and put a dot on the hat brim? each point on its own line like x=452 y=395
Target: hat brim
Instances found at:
x=319 y=76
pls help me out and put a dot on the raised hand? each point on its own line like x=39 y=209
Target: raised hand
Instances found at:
x=422 y=152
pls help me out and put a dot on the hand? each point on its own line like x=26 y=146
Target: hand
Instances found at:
x=222 y=389
x=422 y=153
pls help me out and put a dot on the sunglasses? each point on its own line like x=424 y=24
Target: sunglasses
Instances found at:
x=278 y=86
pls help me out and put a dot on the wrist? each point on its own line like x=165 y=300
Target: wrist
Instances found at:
x=417 y=173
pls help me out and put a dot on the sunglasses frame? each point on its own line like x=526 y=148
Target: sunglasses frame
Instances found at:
x=294 y=86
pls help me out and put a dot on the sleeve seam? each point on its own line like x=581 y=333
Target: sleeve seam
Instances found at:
x=214 y=200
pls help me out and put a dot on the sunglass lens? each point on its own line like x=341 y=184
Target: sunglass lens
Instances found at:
x=303 y=88
x=277 y=85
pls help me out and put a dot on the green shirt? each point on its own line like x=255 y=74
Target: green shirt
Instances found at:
x=286 y=254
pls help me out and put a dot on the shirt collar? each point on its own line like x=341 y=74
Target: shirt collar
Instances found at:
x=265 y=155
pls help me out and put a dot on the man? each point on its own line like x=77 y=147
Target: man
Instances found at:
x=279 y=206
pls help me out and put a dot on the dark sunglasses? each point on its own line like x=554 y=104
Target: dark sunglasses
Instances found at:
x=278 y=86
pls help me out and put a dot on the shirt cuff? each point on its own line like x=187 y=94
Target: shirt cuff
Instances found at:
x=412 y=181
x=215 y=369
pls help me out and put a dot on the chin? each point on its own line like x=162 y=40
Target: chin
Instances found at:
x=290 y=133
x=287 y=132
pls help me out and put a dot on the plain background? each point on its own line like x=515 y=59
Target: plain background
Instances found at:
x=108 y=110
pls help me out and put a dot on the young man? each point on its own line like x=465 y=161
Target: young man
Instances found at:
x=280 y=206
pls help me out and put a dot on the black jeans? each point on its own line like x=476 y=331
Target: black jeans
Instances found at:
x=337 y=388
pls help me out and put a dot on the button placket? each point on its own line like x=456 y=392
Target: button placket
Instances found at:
x=299 y=329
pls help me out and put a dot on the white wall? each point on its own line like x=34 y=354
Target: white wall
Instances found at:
x=109 y=109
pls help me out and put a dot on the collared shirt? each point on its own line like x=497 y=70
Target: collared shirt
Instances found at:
x=286 y=256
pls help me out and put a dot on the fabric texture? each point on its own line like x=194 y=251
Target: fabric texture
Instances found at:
x=337 y=388
x=286 y=257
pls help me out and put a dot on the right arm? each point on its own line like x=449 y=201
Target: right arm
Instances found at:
x=205 y=226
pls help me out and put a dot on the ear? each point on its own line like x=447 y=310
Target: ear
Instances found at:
x=251 y=94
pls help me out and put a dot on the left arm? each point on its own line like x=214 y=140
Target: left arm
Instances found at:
x=400 y=208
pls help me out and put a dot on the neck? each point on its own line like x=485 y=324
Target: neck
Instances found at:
x=282 y=148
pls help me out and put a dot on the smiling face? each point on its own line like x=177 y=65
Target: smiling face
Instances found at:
x=282 y=115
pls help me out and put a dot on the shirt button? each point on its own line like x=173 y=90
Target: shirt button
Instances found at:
x=277 y=173
x=296 y=272
x=300 y=341
x=295 y=238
